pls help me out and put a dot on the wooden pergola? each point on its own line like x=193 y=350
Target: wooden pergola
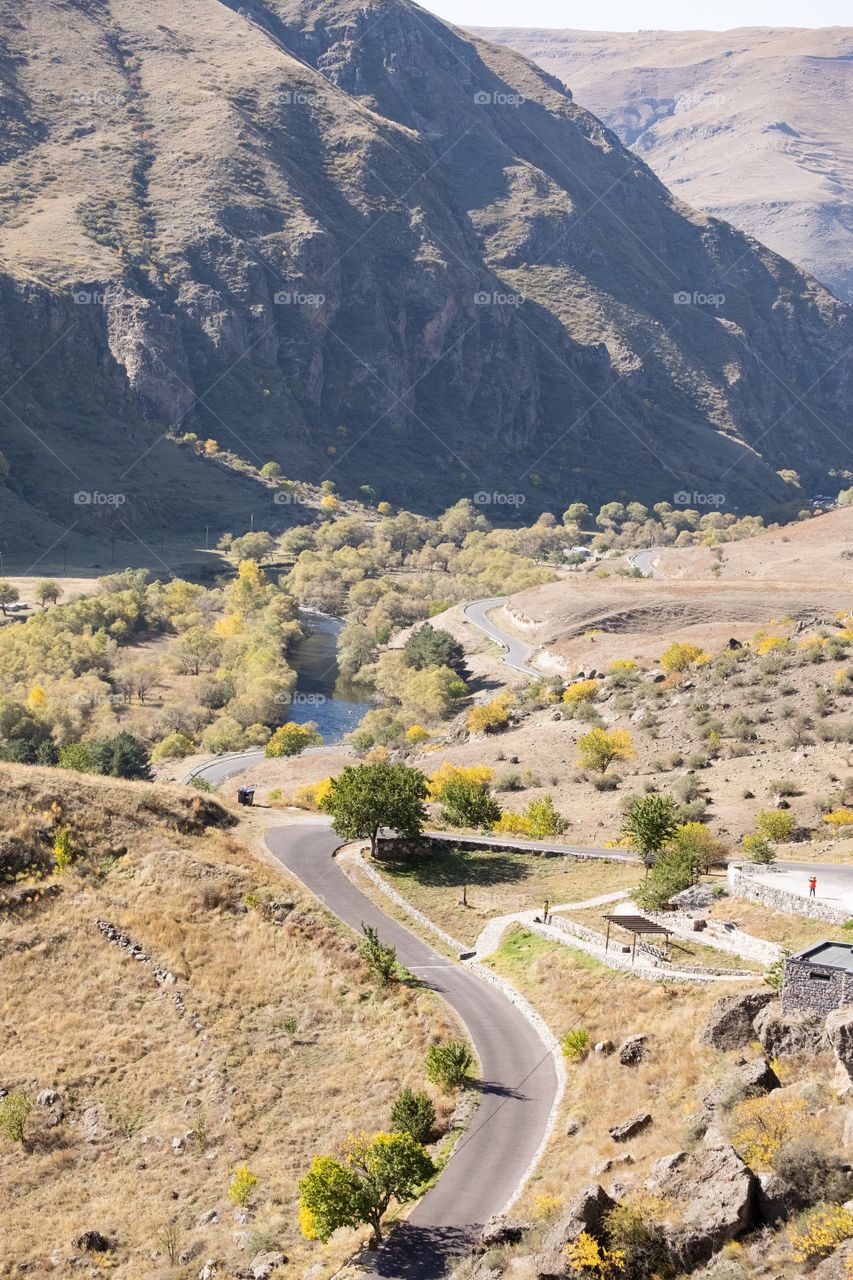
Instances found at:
x=637 y=925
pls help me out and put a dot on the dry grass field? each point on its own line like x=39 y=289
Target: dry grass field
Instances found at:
x=276 y=1047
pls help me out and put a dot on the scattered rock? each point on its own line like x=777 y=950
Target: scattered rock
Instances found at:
x=208 y=1271
x=604 y=1047
x=47 y=1098
x=718 y=1196
x=613 y=1162
x=837 y=1265
x=586 y=1212
x=748 y=1080
x=90 y=1242
x=730 y=1023
x=93 y=1128
x=574 y=1125
x=212 y=1215
x=786 y=1033
x=177 y=1144
x=192 y=1251
x=839 y=1030
x=630 y=1128
x=633 y=1050
x=264 y=1264
x=499 y=1230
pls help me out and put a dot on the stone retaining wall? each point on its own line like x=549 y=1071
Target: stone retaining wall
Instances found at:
x=745 y=886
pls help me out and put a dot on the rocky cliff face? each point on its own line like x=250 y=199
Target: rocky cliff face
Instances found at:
x=350 y=238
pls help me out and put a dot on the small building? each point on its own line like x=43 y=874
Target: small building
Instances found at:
x=819 y=979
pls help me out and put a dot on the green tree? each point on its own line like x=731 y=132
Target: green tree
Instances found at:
x=650 y=822
x=468 y=803
x=8 y=595
x=48 y=592
x=79 y=756
x=365 y=798
x=14 y=1113
x=674 y=870
x=428 y=646
x=271 y=470
x=413 y=1113
x=252 y=546
x=122 y=756
x=449 y=1063
x=359 y=1188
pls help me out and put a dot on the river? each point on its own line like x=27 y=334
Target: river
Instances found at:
x=322 y=694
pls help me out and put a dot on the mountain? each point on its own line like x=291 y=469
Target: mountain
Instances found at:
x=347 y=237
x=750 y=125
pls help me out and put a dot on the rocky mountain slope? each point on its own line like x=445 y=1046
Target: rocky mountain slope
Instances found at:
x=751 y=125
x=348 y=237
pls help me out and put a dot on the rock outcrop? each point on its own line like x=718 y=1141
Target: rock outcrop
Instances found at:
x=717 y=1195
x=782 y=1034
x=730 y=1023
x=839 y=1032
x=586 y=1212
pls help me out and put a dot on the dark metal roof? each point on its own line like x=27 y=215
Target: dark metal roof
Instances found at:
x=638 y=924
x=835 y=955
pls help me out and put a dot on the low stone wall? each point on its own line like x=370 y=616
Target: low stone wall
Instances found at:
x=15 y=900
x=742 y=885
x=398 y=849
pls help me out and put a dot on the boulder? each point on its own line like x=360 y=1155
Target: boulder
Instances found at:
x=264 y=1264
x=604 y=1048
x=750 y=1079
x=574 y=1124
x=837 y=1266
x=839 y=1031
x=730 y=1024
x=500 y=1230
x=208 y=1271
x=718 y=1196
x=777 y=1199
x=782 y=1034
x=586 y=1212
x=93 y=1127
x=90 y=1242
x=630 y=1128
x=47 y=1098
x=633 y=1050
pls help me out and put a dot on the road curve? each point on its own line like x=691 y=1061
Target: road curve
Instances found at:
x=517 y=653
x=644 y=561
x=519 y=1086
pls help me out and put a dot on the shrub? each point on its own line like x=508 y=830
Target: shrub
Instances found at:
x=489 y=717
x=14 y=1113
x=776 y=824
x=759 y=849
x=543 y=818
x=774 y=975
x=764 y=1125
x=818 y=1233
x=242 y=1189
x=812 y=1172
x=633 y=1232
x=576 y=1044
x=650 y=823
x=291 y=739
x=173 y=747
x=413 y=1113
x=381 y=960
x=589 y=1258
x=580 y=691
x=448 y=1064
x=62 y=854
x=600 y=747
x=838 y=818
x=678 y=657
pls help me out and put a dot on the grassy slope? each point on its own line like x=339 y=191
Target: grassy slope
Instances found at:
x=295 y=1050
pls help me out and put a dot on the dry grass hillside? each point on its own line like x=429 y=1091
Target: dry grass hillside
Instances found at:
x=249 y=1035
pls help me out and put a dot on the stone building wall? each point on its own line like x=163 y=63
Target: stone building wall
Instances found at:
x=815 y=987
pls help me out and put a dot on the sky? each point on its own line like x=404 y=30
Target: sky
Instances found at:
x=627 y=15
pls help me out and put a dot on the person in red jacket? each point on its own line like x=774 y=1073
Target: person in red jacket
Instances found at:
x=812 y=886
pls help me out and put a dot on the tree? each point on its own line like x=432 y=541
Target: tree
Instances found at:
x=678 y=657
x=650 y=822
x=291 y=739
x=489 y=717
x=365 y=798
x=468 y=803
x=8 y=595
x=413 y=1113
x=252 y=546
x=271 y=470
x=122 y=756
x=600 y=747
x=197 y=650
x=48 y=592
x=429 y=647
x=673 y=871
x=173 y=747
x=359 y=1188
x=448 y=1064
x=243 y=1184
x=381 y=960
x=79 y=756
x=694 y=839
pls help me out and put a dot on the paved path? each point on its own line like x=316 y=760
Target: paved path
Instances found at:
x=491 y=934
x=518 y=655
x=520 y=1082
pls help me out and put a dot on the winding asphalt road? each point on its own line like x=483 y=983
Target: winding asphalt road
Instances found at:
x=519 y=1080
x=644 y=561
x=517 y=653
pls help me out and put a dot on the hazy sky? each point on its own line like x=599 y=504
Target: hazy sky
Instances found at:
x=627 y=15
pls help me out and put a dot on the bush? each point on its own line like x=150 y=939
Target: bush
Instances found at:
x=468 y=804
x=381 y=960
x=448 y=1064
x=678 y=657
x=291 y=739
x=763 y=1126
x=413 y=1113
x=813 y=1173
x=633 y=1232
x=14 y=1113
x=173 y=747
x=576 y=1044
x=600 y=747
x=776 y=824
x=489 y=717
x=242 y=1189
x=818 y=1233
x=580 y=691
